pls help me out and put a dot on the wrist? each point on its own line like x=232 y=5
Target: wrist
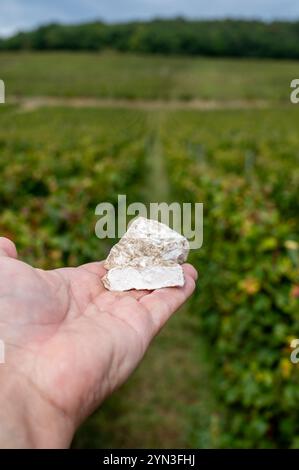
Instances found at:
x=29 y=420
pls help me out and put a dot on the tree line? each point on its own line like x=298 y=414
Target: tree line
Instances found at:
x=219 y=38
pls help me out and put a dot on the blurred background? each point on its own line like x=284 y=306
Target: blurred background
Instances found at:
x=168 y=101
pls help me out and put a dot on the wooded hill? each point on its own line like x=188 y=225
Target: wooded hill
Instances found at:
x=219 y=38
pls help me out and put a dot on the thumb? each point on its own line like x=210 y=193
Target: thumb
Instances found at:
x=7 y=248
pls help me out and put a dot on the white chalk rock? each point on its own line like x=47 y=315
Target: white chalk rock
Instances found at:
x=148 y=256
x=155 y=277
x=148 y=242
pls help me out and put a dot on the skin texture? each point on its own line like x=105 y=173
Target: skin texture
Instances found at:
x=68 y=344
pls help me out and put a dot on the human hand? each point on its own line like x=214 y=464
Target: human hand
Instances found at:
x=68 y=344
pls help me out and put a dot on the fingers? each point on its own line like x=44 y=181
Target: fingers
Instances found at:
x=162 y=303
x=7 y=248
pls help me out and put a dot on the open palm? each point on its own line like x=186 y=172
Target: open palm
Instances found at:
x=70 y=342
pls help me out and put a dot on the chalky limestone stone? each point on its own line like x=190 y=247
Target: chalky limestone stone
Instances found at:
x=148 y=256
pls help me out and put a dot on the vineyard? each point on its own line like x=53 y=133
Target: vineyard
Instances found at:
x=222 y=368
x=53 y=178
x=247 y=300
x=130 y=76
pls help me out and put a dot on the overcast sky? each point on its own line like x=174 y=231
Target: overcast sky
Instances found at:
x=25 y=14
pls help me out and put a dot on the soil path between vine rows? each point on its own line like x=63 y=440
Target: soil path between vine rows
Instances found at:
x=30 y=103
x=168 y=402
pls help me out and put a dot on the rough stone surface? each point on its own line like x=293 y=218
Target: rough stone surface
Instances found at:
x=147 y=257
